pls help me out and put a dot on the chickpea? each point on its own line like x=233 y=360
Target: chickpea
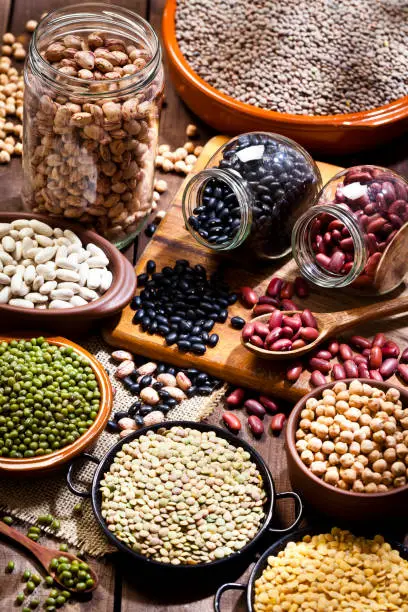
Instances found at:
x=342 y=407
x=332 y=476
x=319 y=410
x=392 y=395
x=354 y=448
x=356 y=401
x=307 y=457
x=330 y=411
x=380 y=465
x=328 y=447
x=347 y=460
x=318 y=468
x=334 y=459
x=301 y=445
x=398 y=468
x=401 y=450
x=371 y=487
x=362 y=459
x=387 y=478
x=365 y=419
x=379 y=436
x=305 y=424
x=374 y=456
x=307 y=414
x=367 y=446
x=358 y=467
x=300 y=434
x=358 y=486
x=401 y=481
x=341 y=448
x=382 y=488
x=349 y=475
x=338 y=388
x=367 y=476
x=353 y=414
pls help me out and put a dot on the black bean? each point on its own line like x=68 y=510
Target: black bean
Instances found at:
x=150 y=229
x=185 y=326
x=161 y=320
x=162 y=407
x=237 y=322
x=138 y=316
x=112 y=426
x=161 y=368
x=205 y=336
x=194 y=338
x=171 y=338
x=152 y=329
x=150 y=266
x=196 y=329
x=146 y=323
x=184 y=345
x=128 y=381
x=142 y=279
x=171 y=370
x=171 y=402
x=208 y=325
x=145 y=409
x=139 y=420
x=157 y=386
x=164 y=395
x=213 y=340
x=191 y=372
x=222 y=316
x=120 y=415
x=136 y=302
x=198 y=348
x=191 y=391
x=206 y=390
x=163 y=330
x=145 y=381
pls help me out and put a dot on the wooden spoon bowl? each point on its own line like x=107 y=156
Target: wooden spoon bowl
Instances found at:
x=45 y=555
x=330 y=324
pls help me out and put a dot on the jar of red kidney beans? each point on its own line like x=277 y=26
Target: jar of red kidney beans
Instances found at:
x=356 y=234
x=250 y=194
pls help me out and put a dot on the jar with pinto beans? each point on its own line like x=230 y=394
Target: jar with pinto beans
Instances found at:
x=93 y=91
x=356 y=234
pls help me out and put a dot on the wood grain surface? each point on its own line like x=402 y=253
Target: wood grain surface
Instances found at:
x=122 y=588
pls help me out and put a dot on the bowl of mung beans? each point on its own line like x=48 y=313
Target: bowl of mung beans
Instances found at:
x=327 y=569
x=303 y=77
x=55 y=400
x=184 y=495
x=347 y=449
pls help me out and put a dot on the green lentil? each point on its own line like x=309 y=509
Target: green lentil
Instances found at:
x=50 y=601
x=47 y=389
x=20 y=598
x=78 y=508
x=8 y=520
x=66 y=594
x=10 y=566
x=26 y=575
x=34 y=529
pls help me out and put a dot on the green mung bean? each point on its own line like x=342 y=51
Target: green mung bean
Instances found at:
x=10 y=566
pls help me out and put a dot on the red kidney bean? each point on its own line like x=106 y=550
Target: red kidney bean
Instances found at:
x=265 y=299
x=294 y=321
x=274 y=287
x=338 y=372
x=261 y=309
x=255 y=425
x=404 y=356
x=288 y=305
x=308 y=318
x=375 y=358
x=248 y=296
x=320 y=364
x=347 y=244
x=360 y=359
x=317 y=378
x=282 y=344
x=248 y=331
x=309 y=333
x=294 y=371
x=360 y=342
x=375 y=375
x=376 y=226
x=287 y=290
x=397 y=207
x=231 y=421
x=390 y=349
x=287 y=332
x=335 y=225
x=379 y=340
x=324 y=355
x=395 y=221
x=371 y=243
x=268 y=403
x=372 y=264
x=350 y=368
x=261 y=329
x=323 y=260
x=363 y=371
x=334 y=347
x=345 y=352
x=256 y=341
x=254 y=407
x=301 y=287
x=403 y=372
x=337 y=261
x=277 y=422
x=327 y=237
x=388 y=367
x=388 y=191
x=273 y=335
x=275 y=320
x=298 y=343
x=236 y=397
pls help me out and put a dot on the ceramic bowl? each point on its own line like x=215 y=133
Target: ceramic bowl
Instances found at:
x=343 y=505
x=333 y=134
x=79 y=318
x=37 y=465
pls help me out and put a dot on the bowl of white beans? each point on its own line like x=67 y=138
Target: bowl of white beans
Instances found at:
x=347 y=449
x=58 y=275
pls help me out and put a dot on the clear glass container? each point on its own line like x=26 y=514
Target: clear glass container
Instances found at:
x=356 y=234
x=91 y=120
x=250 y=194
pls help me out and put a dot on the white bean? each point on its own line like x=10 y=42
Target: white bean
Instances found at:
x=29 y=274
x=94 y=278
x=60 y=304
x=45 y=255
x=67 y=275
x=76 y=300
x=6 y=258
x=83 y=273
x=36 y=298
x=73 y=238
x=47 y=287
x=5 y=294
x=27 y=244
x=106 y=280
x=4 y=229
x=88 y=294
x=21 y=303
x=4 y=279
x=98 y=262
x=38 y=283
x=61 y=294
x=41 y=228
x=44 y=241
x=8 y=243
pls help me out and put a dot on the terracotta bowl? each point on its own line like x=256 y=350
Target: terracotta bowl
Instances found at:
x=36 y=465
x=79 y=318
x=345 y=133
x=328 y=499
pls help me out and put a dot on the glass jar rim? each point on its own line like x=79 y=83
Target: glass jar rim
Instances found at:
x=244 y=197
x=115 y=15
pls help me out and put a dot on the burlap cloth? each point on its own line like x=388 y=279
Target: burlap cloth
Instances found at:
x=29 y=498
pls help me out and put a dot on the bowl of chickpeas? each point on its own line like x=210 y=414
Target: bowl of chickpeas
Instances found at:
x=347 y=449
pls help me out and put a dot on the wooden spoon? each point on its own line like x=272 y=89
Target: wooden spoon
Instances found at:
x=331 y=323
x=45 y=555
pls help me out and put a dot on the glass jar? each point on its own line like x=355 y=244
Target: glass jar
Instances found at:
x=251 y=193
x=356 y=235
x=93 y=91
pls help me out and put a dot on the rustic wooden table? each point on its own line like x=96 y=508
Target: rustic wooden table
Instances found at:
x=123 y=588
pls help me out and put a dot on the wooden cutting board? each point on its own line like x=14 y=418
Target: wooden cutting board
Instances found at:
x=229 y=360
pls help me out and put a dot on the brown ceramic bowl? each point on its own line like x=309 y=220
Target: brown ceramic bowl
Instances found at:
x=72 y=320
x=345 y=133
x=330 y=500
x=35 y=465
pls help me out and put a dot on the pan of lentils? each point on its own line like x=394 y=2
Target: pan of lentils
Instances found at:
x=183 y=495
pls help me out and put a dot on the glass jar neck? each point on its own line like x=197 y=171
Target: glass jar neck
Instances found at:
x=194 y=192
x=305 y=256
x=83 y=19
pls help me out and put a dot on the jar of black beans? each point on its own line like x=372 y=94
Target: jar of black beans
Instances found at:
x=253 y=190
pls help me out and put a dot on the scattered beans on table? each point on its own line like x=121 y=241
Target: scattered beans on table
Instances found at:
x=255 y=406
x=203 y=495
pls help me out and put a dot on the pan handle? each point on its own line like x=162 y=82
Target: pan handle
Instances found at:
x=298 y=510
x=226 y=587
x=70 y=484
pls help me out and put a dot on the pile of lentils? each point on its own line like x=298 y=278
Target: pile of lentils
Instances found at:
x=182 y=304
x=314 y=57
x=183 y=496
x=282 y=180
x=49 y=397
x=158 y=388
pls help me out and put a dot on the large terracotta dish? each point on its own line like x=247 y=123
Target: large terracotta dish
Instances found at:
x=34 y=465
x=76 y=319
x=339 y=504
x=321 y=133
